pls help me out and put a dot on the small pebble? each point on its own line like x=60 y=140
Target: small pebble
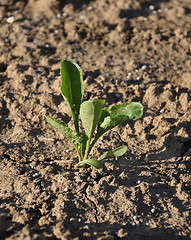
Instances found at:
x=64 y=14
x=146 y=159
x=94 y=182
x=162 y=110
x=138 y=182
x=136 y=70
x=133 y=224
x=117 y=95
x=120 y=211
x=151 y=7
x=47 y=45
x=159 y=10
x=67 y=150
x=90 y=8
x=137 y=222
x=154 y=12
x=144 y=67
x=135 y=217
x=79 y=220
x=65 y=189
x=132 y=152
x=51 y=162
x=11 y=19
x=56 y=31
x=58 y=15
x=35 y=175
x=138 y=78
x=152 y=210
x=79 y=21
x=129 y=74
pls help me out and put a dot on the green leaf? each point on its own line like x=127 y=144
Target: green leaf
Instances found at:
x=65 y=130
x=92 y=162
x=72 y=88
x=90 y=115
x=114 y=153
x=117 y=114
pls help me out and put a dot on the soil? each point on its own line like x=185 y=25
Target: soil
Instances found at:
x=128 y=50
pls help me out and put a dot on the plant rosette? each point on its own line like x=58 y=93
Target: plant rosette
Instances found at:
x=95 y=118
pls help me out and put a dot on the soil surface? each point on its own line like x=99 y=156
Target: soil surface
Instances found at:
x=128 y=50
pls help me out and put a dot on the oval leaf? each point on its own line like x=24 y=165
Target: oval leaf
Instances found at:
x=65 y=130
x=92 y=162
x=90 y=114
x=114 y=153
x=117 y=114
x=72 y=87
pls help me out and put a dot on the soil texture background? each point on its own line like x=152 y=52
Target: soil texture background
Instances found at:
x=129 y=50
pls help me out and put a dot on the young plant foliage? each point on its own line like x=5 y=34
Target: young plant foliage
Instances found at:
x=93 y=116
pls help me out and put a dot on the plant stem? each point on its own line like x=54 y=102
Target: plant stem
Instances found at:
x=87 y=149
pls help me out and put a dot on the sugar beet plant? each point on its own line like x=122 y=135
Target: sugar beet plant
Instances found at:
x=96 y=120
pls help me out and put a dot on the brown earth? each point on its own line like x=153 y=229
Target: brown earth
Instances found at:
x=129 y=50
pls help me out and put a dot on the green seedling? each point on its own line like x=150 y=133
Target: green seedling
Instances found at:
x=96 y=120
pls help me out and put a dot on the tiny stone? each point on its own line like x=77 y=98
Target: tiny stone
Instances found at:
x=35 y=175
x=146 y=159
x=144 y=67
x=137 y=222
x=94 y=182
x=129 y=74
x=152 y=210
x=79 y=220
x=138 y=78
x=67 y=150
x=47 y=45
x=162 y=110
x=136 y=70
x=133 y=224
x=11 y=19
x=135 y=217
x=151 y=7
x=70 y=19
x=138 y=182
x=132 y=152
x=58 y=15
x=51 y=162
x=56 y=31
x=65 y=189
x=154 y=12
x=159 y=10
x=120 y=211
x=90 y=8
x=64 y=14
x=79 y=21
x=100 y=142
x=117 y=95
